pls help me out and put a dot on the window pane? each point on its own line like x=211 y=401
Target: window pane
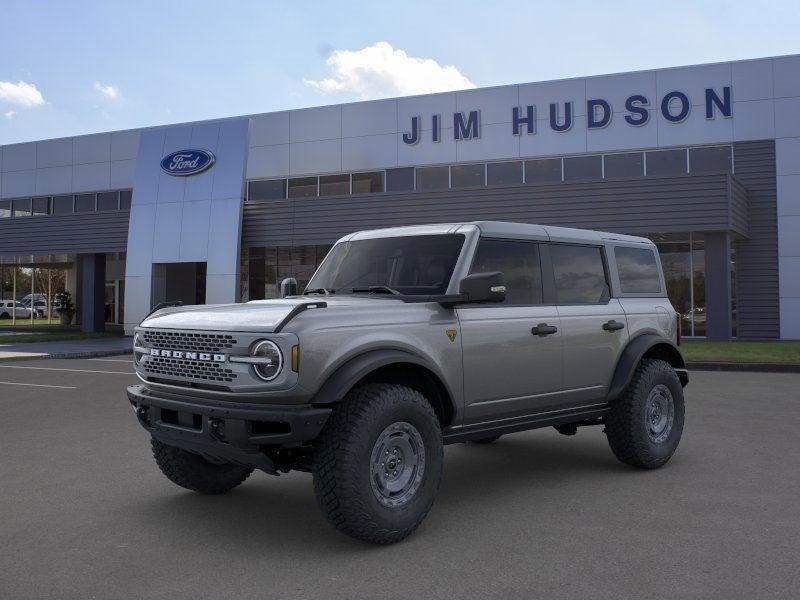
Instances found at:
x=504 y=173
x=400 y=180
x=519 y=264
x=303 y=187
x=579 y=274
x=666 y=162
x=715 y=159
x=638 y=270
x=543 y=171
x=334 y=185
x=256 y=268
x=577 y=168
x=699 y=284
x=41 y=206
x=5 y=209
x=84 y=202
x=62 y=205
x=125 y=199
x=624 y=165
x=468 y=175
x=22 y=207
x=108 y=201
x=433 y=178
x=368 y=183
x=272 y=189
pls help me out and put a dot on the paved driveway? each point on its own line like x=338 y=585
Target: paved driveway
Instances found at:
x=84 y=513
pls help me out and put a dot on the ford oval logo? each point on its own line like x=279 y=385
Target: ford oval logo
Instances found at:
x=187 y=162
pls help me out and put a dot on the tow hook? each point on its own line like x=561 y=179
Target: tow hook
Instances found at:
x=217 y=429
x=143 y=414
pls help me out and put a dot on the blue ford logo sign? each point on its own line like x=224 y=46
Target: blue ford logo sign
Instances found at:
x=187 y=162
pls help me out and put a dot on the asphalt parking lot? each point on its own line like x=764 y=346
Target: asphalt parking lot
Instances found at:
x=85 y=513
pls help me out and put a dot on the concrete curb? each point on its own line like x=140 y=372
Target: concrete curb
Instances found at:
x=754 y=367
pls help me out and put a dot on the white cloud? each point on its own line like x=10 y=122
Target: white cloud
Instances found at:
x=10 y=114
x=109 y=91
x=380 y=71
x=20 y=93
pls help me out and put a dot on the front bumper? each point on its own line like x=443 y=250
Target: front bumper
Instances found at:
x=223 y=431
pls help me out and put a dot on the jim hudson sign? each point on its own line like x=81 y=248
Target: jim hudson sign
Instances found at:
x=674 y=106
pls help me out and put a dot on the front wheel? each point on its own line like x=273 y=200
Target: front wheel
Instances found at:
x=378 y=462
x=645 y=425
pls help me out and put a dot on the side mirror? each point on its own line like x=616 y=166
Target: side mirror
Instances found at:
x=289 y=287
x=483 y=287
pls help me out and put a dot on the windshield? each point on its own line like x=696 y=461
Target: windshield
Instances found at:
x=409 y=265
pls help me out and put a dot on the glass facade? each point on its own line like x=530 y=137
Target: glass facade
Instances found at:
x=265 y=268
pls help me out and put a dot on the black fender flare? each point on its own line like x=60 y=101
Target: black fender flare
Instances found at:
x=353 y=370
x=632 y=355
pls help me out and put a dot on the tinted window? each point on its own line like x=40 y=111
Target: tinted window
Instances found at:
x=22 y=207
x=504 y=173
x=543 y=171
x=638 y=270
x=108 y=201
x=417 y=265
x=666 y=162
x=62 y=205
x=579 y=274
x=5 y=209
x=519 y=264
x=125 y=199
x=400 y=180
x=334 y=185
x=713 y=159
x=630 y=164
x=468 y=175
x=41 y=206
x=84 y=203
x=272 y=189
x=577 y=168
x=433 y=178
x=303 y=187
x=367 y=183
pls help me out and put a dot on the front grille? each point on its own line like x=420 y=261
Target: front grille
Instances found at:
x=193 y=342
x=187 y=369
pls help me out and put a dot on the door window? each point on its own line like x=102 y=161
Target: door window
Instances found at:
x=519 y=264
x=580 y=276
x=638 y=271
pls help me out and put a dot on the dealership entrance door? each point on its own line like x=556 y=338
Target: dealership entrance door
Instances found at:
x=184 y=282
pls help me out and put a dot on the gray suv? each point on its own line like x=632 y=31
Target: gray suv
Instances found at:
x=408 y=339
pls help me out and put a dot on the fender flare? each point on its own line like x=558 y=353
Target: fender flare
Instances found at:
x=353 y=370
x=632 y=355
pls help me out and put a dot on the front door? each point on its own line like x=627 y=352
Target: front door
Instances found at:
x=511 y=351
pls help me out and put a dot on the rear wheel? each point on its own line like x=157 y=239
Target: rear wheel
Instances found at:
x=645 y=425
x=193 y=472
x=378 y=462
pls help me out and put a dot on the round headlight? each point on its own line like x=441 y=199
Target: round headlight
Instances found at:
x=271 y=360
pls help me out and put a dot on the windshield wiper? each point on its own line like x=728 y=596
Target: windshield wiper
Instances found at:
x=375 y=289
x=321 y=290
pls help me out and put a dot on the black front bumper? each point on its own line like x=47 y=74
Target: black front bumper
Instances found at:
x=223 y=431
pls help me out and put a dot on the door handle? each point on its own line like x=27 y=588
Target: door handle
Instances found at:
x=613 y=325
x=543 y=329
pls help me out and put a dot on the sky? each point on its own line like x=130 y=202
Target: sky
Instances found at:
x=85 y=66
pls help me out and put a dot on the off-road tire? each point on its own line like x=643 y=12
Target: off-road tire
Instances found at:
x=488 y=440
x=627 y=425
x=193 y=472
x=343 y=462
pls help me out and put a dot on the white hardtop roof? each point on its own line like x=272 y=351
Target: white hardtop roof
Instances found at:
x=503 y=229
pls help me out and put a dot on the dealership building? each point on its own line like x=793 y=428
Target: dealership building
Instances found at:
x=704 y=160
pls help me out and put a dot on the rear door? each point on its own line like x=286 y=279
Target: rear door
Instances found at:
x=594 y=327
x=511 y=351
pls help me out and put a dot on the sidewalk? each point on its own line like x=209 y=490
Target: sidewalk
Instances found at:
x=66 y=349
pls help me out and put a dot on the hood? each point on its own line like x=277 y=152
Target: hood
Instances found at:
x=257 y=316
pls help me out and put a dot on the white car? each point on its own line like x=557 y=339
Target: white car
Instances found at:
x=11 y=308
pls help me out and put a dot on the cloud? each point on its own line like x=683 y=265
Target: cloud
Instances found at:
x=20 y=93
x=10 y=114
x=109 y=91
x=380 y=71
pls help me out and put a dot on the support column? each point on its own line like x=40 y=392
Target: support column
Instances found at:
x=93 y=288
x=718 y=286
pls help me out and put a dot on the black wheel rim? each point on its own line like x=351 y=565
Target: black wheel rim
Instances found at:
x=397 y=464
x=659 y=414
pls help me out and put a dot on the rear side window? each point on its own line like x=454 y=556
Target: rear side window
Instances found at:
x=638 y=270
x=519 y=264
x=580 y=277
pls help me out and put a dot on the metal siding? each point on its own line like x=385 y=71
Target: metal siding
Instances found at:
x=740 y=201
x=71 y=234
x=758 y=304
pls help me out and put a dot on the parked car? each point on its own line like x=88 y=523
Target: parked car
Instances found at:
x=407 y=339
x=12 y=308
x=40 y=305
